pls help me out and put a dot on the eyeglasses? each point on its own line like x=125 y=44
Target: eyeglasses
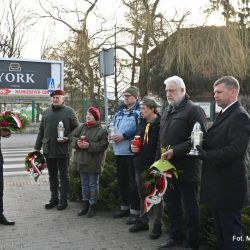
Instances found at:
x=125 y=95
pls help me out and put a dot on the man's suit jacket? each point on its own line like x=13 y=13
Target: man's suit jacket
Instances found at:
x=224 y=178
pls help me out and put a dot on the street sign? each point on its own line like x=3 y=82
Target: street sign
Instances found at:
x=106 y=62
x=51 y=85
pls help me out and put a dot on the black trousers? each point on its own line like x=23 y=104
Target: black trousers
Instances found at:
x=228 y=229
x=58 y=185
x=1 y=182
x=184 y=196
x=126 y=183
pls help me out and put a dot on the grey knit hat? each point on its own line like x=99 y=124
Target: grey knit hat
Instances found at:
x=133 y=91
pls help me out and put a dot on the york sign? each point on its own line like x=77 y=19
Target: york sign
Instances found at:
x=18 y=78
x=29 y=77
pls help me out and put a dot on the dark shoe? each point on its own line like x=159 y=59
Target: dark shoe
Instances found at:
x=91 y=211
x=121 y=214
x=132 y=219
x=156 y=232
x=169 y=243
x=5 y=221
x=51 y=204
x=62 y=205
x=85 y=207
x=138 y=227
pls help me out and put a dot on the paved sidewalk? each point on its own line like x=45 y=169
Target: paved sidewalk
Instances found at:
x=38 y=228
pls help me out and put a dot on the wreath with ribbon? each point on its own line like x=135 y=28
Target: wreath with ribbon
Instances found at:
x=34 y=164
x=158 y=179
x=13 y=121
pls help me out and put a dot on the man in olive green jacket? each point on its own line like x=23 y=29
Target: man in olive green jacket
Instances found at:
x=56 y=151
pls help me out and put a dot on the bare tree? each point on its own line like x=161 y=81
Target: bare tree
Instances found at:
x=15 y=22
x=237 y=12
x=82 y=46
x=147 y=28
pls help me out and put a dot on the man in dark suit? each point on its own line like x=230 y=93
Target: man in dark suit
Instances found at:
x=224 y=178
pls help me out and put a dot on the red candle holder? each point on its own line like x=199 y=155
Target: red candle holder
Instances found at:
x=136 y=142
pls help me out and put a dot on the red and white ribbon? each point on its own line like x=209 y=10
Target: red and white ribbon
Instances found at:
x=34 y=167
x=155 y=197
x=17 y=120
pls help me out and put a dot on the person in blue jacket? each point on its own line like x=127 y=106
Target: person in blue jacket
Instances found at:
x=125 y=122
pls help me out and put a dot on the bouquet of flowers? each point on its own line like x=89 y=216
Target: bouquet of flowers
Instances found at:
x=35 y=164
x=12 y=121
x=157 y=180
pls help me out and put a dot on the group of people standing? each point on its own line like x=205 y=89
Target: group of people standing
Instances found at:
x=171 y=131
x=219 y=169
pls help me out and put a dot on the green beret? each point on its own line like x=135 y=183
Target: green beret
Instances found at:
x=133 y=91
x=149 y=102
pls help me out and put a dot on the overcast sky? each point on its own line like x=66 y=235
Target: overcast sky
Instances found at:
x=108 y=8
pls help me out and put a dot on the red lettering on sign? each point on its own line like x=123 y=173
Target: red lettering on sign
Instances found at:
x=4 y=91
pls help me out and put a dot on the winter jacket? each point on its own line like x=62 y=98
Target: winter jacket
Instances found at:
x=175 y=130
x=47 y=135
x=125 y=122
x=146 y=157
x=90 y=160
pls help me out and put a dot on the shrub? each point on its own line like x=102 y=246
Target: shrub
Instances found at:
x=108 y=193
x=75 y=191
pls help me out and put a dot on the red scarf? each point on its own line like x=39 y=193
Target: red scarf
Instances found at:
x=90 y=124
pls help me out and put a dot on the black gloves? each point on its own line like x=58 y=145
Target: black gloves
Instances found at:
x=202 y=152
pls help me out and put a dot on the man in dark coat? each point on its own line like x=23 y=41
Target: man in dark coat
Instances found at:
x=56 y=151
x=224 y=178
x=177 y=123
x=3 y=219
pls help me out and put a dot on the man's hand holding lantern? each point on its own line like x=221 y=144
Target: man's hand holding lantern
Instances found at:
x=63 y=140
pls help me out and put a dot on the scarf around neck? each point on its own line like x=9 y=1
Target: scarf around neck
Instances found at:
x=90 y=124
